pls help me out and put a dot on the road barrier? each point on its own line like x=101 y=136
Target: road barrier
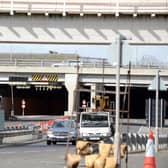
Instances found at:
x=137 y=142
x=19 y=134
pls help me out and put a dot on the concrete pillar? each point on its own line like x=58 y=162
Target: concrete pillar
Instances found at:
x=93 y=95
x=71 y=85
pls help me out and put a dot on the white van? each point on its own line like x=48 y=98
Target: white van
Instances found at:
x=95 y=126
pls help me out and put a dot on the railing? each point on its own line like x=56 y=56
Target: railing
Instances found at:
x=90 y=63
x=84 y=6
x=52 y=62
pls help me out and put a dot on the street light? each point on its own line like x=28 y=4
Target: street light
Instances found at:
x=117 y=115
x=118 y=41
x=157 y=110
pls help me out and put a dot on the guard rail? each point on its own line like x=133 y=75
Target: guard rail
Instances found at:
x=19 y=134
x=83 y=7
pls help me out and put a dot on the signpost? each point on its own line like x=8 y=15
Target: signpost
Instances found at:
x=157 y=85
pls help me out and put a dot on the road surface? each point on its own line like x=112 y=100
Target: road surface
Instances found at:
x=40 y=155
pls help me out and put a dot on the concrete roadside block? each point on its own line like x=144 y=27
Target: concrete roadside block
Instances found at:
x=144 y=140
x=129 y=142
x=139 y=142
x=18 y=138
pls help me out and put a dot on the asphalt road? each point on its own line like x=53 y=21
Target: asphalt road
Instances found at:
x=40 y=155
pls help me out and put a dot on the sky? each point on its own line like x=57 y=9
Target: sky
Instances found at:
x=137 y=54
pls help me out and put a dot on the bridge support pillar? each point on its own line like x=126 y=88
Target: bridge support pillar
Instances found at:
x=71 y=85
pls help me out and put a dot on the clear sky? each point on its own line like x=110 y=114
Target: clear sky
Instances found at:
x=136 y=54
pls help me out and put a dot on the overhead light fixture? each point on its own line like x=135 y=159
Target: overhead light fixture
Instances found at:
x=22 y=86
x=81 y=14
x=117 y=14
x=46 y=13
x=134 y=14
x=11 y=13
x=99 y=14
x=28 y=13
x=153 y=14
x=64 y=14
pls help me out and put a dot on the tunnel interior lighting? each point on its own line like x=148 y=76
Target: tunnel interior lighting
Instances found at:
x=99 y=14
x=153 y=14
x=117 y=14
x=11 y=13
x=81 y=14
x=28 y=13
x=46 y=13
x=134 y=14
x=64 y=14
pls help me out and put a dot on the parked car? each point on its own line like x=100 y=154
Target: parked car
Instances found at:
x=61 y=130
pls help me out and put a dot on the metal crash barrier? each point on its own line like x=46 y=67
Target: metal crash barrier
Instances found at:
x=19 y=134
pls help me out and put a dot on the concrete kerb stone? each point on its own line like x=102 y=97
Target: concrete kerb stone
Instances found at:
x=23 y=142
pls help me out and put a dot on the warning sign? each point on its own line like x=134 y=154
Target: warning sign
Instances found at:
x=44 y=77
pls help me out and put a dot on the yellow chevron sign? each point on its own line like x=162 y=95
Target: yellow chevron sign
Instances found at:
x=45 y=77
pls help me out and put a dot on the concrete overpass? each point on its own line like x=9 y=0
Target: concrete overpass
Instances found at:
x=85 y=22
x=81 y=22
x=38 y=73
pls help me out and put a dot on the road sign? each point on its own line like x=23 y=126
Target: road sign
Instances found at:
x=23 y=103
x=162 y=86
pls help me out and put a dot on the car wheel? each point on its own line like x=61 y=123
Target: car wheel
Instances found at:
x=48 y=142
x=54 y=142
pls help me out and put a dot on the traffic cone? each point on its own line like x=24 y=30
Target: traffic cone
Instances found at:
x=149 y=159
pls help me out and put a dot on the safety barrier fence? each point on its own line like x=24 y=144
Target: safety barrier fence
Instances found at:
x=83 y=6
x=137 y=142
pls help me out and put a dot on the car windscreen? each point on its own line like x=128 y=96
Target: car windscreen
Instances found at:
x=63 y=124
x=94 y=120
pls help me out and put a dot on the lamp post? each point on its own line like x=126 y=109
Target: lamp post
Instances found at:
x=117 y=115
x=118 y=42
x=157 y=111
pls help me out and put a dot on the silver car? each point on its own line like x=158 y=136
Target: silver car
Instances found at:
x=62 y=131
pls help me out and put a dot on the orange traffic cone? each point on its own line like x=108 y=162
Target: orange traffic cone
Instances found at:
x=149 y=159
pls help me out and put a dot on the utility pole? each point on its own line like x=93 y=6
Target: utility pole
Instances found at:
x=117 y=115
x=157 y=111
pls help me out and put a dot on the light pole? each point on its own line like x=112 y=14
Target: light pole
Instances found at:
x=118 y=42
x=117 y=115
x=157 y=111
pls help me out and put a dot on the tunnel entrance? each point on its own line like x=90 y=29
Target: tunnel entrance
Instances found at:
x=138 y=97
x=38 y=101
x=43 y=101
